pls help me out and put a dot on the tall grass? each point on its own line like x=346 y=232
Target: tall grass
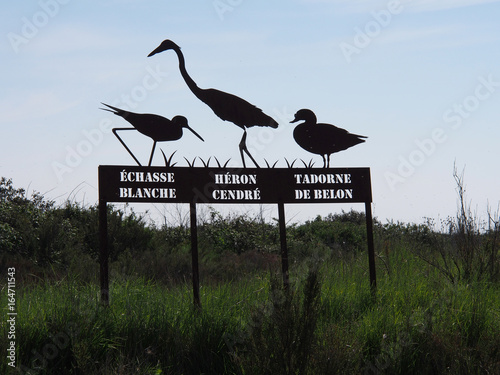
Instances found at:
x=436 y=311
x=328 y=323
x=146 y=328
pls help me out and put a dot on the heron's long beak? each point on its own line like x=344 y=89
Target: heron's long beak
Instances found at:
x=157 y=50
x=199 y=136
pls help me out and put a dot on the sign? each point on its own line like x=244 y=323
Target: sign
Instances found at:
x=234 y=185
x=137 y=184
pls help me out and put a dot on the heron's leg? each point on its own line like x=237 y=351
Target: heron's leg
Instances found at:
x=243 y=148
x=324 y=161
x=123 y=143
x=242 y=157
x=152 y=152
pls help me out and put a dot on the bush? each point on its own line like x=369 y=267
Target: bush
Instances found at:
x=21 y=219
x=238 y=234
x=281 y=334
x=334 y=237
x=464 y=249
x=34 y=229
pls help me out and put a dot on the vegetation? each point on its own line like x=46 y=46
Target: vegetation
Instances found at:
x=436 y=311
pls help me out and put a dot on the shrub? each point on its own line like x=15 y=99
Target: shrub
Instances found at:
x=20 y=221
x=281 y=334
x=238 y=234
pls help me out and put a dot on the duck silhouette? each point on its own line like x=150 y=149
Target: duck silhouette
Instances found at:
x=156 y=127
x=322 y=139
x=226 y=106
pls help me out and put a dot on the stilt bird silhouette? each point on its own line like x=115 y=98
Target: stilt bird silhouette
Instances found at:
x=322 y=139
x=227 y=106
x=156 y=127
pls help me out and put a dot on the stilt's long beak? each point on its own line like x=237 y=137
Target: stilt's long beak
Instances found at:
x=199 y=136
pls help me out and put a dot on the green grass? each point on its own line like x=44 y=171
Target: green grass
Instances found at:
x=419 y=323
x=436 y=310
x=146 y=326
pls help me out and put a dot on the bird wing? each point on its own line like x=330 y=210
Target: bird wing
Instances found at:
x=154 y=126
x=232 y=108
x=327 y=129
x=133 y=117
x=324 y=139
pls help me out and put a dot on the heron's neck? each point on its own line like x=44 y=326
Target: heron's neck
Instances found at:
x=182 y=67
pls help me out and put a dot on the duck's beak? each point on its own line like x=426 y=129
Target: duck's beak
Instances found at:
x=294 y=120
x=199 y=136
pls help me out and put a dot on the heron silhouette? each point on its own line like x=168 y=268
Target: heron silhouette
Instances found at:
x=156 y=127
x=322 y=139
x=226 y=106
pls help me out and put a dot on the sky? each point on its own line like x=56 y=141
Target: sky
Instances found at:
x=419 y=78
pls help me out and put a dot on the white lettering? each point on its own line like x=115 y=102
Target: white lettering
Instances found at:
x=235 y=179
x=151 y=193
x=333 y=193
x=251 y=195
x=302 y=194
x=329 y=178
x=167 y=177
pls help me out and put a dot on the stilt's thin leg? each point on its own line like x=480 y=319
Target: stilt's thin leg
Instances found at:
x=152 y=152
x=243 y=147
x=123 y=143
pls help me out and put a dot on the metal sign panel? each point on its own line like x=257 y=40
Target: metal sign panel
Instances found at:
x=234 y=185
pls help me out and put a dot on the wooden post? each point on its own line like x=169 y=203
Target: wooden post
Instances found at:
x=194 y=257
x=284 y=249
x=103 y=251
x=371 y=247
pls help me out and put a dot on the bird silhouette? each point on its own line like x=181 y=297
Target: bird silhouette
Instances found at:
x=322 y=139
x=156 y=127
x=226 y=106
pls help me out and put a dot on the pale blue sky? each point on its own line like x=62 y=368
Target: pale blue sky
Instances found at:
x=420 y=78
